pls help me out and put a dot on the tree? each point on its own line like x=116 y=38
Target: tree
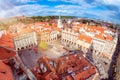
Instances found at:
x=4 y=27
x=43 y=45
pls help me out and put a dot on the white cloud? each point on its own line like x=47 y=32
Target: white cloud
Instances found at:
x=25 y=1
x=68 y=7
x=112 y=2
x=8 y=9
x=75 y=8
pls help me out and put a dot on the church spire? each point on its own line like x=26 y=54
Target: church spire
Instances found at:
x=60 y=22
x=59 y=17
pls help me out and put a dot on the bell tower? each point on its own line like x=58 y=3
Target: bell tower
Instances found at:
x=60 y=22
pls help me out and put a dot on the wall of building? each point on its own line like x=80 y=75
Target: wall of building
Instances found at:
x=105 y=47
x=49 y=36
x=83 y=45
x=24 y=41
x=68 y=37
x=45 y=36
x=54 y=35
x=99 y=46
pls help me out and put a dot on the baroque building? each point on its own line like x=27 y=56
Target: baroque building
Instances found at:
x=25 y=41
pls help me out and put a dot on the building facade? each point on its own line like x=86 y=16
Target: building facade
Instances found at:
x=104 y=47
x=69 y=38
x=49 y=36
x=100 y=40
x=24 y=41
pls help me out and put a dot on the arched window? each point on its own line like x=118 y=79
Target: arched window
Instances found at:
x=26 y=46
x=22 y=48
x=31 y=44
x=18 y=49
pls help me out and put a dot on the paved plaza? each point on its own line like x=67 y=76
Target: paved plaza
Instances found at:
x=30 y=57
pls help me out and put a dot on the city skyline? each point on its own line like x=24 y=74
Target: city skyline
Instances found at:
x=45 y=48
x=107 y=10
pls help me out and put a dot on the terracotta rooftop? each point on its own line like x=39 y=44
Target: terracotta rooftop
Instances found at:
x=45 y=61
x=64 y=67
x=85 y=38
x=6 y=54
x=7 y=41
x=110 y=38
x=49 y=76
x=93 y=29
x=54 y=24
x=25 y=30
x=101 y=36
x=56 y=28
x=5 y=72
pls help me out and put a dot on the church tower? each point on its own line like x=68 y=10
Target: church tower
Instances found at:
x=60 y=23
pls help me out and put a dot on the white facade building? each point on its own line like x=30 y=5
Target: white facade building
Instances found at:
x=104 y=47
x=54 y=35
x=83 y=45
x=99 y=46
x=69 y=37
x=25 y=41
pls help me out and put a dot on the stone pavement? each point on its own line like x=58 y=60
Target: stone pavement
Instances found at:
x=30 y=57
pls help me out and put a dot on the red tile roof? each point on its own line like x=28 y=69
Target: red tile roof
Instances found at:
x=5 y=54
x=101 y=36
x=68 y=77
x=65 y=66
x=7 y=41
x=110 y=38
x=49 y=76
x=54 y=24
x=84 y=37
x=94 y=29
x=45 y=61
x=83 y=75
x=35 y=72
x=5 y=72
x=56 y=28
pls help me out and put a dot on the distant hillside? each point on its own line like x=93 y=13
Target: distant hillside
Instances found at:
x=6 y=22
x=48 y=18
x=11 y=20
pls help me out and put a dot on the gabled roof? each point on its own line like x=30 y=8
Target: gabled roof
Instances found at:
x=5 y=72
x=65 y=67
x=7 y=41
x=6 y=54
x=46 y=61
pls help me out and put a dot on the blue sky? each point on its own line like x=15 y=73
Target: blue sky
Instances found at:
x=108 y=10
